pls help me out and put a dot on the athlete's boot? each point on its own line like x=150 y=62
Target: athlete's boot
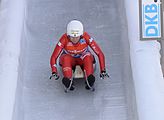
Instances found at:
x=68 y=83
x=90 y=82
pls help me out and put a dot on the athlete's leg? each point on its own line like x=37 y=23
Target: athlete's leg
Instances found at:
x=88 y=69
x=67 y=62
x=88 y=64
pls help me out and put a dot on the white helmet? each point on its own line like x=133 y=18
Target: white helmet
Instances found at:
x=75 y=28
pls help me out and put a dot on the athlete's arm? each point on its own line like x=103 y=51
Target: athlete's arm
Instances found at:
x=96 y=49
x=56 y=53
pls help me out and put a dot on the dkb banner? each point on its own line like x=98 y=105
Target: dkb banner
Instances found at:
x=151 y=27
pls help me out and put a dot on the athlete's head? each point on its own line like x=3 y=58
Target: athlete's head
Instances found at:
x=75 y=30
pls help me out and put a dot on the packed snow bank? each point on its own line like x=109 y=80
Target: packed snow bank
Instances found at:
x=146 y=68
x=12 y=14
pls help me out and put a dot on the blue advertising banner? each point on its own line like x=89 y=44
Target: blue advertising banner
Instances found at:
x=151 y=19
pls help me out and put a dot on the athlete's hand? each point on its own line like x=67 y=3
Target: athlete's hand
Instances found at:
x=55 y=75
x=104 y=74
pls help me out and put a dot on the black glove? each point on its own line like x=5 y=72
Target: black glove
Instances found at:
x=103 y=74
x=55 y=75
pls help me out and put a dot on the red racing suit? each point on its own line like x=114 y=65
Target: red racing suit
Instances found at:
x=76 y=54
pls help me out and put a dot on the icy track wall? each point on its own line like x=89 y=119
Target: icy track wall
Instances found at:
x=145 y=60
x=146 y=69
x=11 y=27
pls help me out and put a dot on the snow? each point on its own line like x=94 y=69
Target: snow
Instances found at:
x=18 y=90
